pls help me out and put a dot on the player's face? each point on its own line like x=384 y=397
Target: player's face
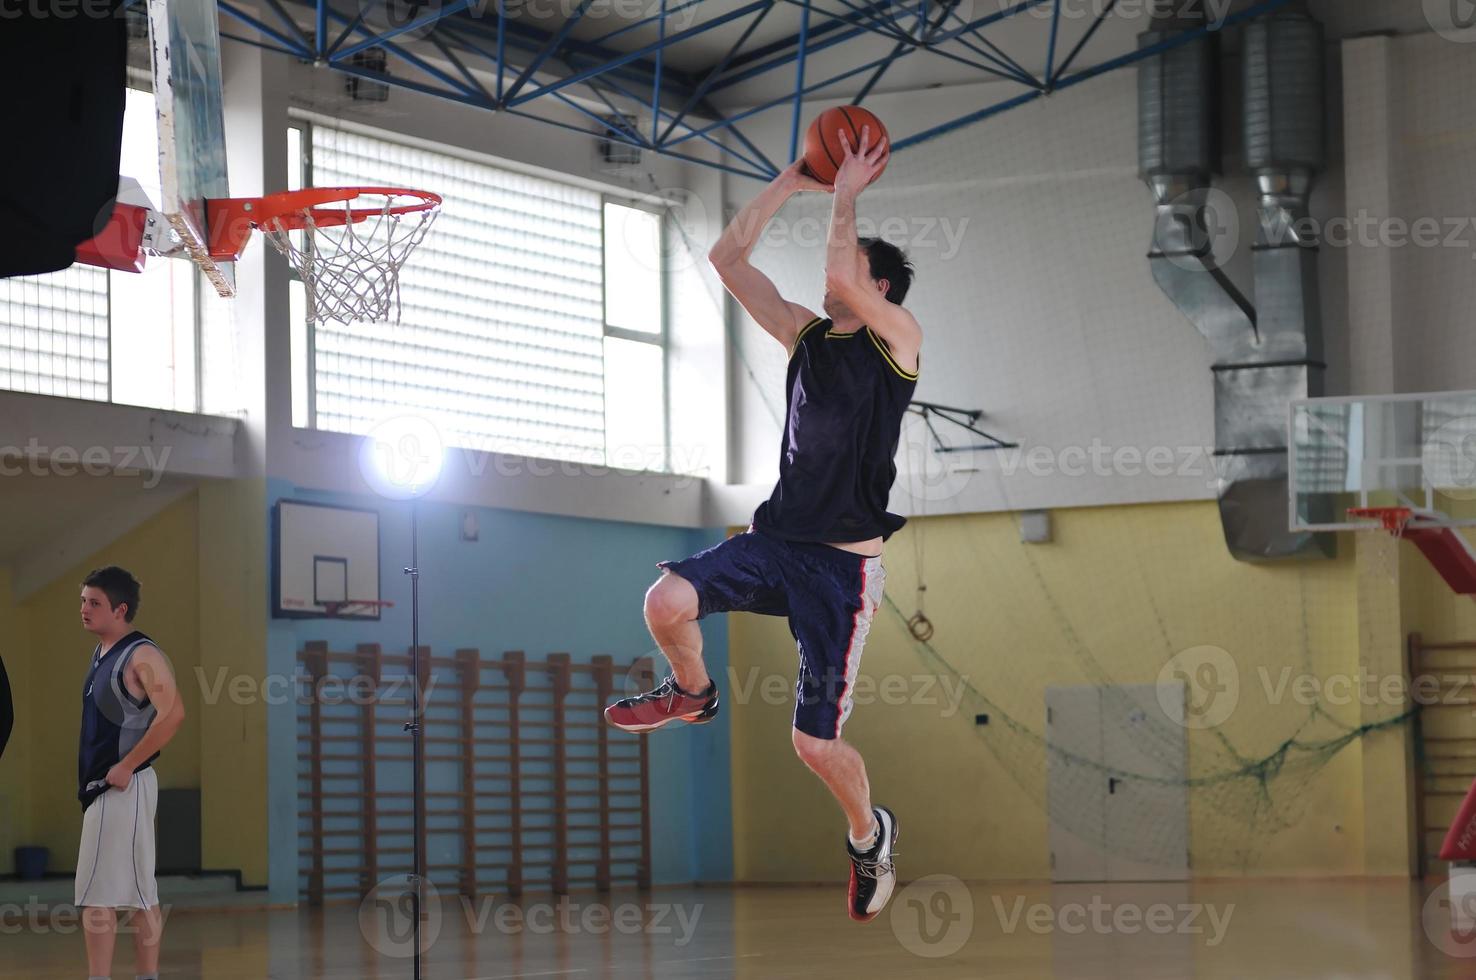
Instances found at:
x=833 y=306
x=98 y=615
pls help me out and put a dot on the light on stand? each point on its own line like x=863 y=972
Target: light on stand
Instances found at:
x=401 y=459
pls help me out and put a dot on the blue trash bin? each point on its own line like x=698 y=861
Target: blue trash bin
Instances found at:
x=30 y=863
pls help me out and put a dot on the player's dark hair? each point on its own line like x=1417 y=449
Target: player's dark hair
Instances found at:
x=889 y=262
x=119 y=585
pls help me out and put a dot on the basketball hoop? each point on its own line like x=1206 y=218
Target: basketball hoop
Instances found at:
x=1394 y=520
x=1391 y=519
x=356 y=607
x=340 y=608
x=349 y=257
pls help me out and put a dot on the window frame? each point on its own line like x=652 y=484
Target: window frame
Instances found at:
x=304 y=129
x=660 y=337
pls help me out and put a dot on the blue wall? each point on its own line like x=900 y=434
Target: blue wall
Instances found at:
x=540 y=584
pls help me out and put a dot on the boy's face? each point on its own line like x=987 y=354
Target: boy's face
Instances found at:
x=98 y=615
x=834 y=307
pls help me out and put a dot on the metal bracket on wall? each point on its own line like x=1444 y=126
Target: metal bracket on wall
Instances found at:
x=962 y=417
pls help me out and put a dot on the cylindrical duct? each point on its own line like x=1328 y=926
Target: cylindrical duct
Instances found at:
x=1284 y=94
x=1176 y=97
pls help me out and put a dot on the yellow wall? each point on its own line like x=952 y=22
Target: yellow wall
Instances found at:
x=1116 y=594
x=233 y=615
x=202 y=564
x=15 y=767
x=161 y=555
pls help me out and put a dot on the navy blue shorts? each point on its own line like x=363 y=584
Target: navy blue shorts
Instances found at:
x=829 y=595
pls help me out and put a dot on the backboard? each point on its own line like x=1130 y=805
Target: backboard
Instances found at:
x=1416 y=451
x=324 y=557
x=184 y=41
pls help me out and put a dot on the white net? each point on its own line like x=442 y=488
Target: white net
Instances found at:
x=350 y=260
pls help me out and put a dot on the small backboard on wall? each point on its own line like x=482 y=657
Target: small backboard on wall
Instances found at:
x=325 y=561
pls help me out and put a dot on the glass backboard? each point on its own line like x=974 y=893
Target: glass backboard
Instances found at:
x=1416 y=451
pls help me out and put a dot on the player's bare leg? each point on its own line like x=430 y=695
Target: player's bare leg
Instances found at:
x=688 y=694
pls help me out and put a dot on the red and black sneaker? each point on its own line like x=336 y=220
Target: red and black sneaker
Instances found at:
x=873 y=875
x=668 y=703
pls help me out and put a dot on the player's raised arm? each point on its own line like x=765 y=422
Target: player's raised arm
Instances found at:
x=754 y=291
x=845 y=263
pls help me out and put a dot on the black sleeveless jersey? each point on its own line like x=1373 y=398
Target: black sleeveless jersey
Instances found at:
x=846 y=397
x=113 y=721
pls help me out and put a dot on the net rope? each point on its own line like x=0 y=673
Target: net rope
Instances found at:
x=351 y=271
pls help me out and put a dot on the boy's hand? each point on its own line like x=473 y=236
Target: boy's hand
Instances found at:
x=862 y=164
x=796 y=178
x=119 y=776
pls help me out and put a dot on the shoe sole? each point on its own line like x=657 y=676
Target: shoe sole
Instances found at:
x=692 y=719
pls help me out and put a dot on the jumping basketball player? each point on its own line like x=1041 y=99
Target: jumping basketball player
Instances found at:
x=813 y=552
x=130 y=710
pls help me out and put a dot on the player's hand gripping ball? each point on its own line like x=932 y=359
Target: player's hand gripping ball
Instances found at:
x=826 y=139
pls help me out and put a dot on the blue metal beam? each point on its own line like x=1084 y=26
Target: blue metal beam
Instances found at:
x=456 y=6
x=868 y=66
x=342 y=60
x=635 y=55
x=288 y=45
x=291 y=25
x=1015 y=66
x=509 y=35
x=799 y=83
x=701 y=92
x=898 y=51
x=471 y=80
x=703 y=136
x=785 y=44
x=846 y=35
x=962 y=121
x=656 y=85
x=756 y=175
x=549 y=48
x=456 y=28
x=1085 y=39
x=893 y=33
x=1055 y=31
x=1263 y=7
x=1250 y=13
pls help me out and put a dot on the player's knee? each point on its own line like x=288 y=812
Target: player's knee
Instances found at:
x=671 y=600
x=815 y=752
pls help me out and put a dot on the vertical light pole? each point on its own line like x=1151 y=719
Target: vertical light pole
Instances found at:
x=401 y=459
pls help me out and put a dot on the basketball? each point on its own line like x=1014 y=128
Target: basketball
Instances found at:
x=824 y=150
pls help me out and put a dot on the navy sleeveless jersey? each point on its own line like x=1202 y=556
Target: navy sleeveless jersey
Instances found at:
x=846 y=397
x=113 y=720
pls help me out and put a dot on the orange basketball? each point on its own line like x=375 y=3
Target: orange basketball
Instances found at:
x=824 y=150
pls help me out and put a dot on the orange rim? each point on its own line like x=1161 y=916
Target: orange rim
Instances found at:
x=231 y=220
x=1393 y=519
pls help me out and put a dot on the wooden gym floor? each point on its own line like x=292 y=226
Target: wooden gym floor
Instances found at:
x=1349 y=929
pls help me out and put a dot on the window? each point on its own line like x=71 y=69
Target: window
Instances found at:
x=87 y=332
x=635 y=390
x=532 y=318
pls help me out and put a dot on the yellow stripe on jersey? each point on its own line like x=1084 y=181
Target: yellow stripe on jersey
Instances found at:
x=892 y=360
x=801 y=335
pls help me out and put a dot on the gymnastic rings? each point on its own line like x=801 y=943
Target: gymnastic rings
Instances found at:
x=921 y=627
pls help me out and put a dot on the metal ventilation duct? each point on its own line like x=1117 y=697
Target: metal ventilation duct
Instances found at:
x=1269 y=353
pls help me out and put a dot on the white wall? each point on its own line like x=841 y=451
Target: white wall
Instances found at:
x=1046 y=316
x=1434 y=305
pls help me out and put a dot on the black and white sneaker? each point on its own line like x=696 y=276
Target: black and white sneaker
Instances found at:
x=872 y=875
